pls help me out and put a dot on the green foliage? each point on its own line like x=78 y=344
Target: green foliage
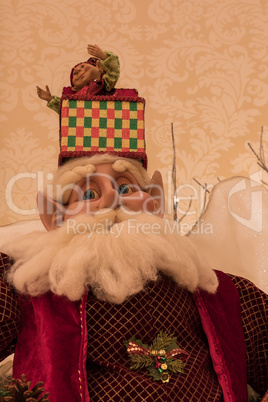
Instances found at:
x=4 y=392
x=154 y=373
x=163 y=341
x=175 y=366
x=140 y=361
x=155 y=358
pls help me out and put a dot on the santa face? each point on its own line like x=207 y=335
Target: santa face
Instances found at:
x=107 y=188
x=105 y=210
x=97 y=215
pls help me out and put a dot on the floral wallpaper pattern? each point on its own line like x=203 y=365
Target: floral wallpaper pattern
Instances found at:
x=200 y=64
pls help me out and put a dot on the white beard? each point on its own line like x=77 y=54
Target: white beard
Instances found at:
x=114 y=260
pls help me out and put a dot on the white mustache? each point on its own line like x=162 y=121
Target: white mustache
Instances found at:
x=120 y=256
x=101 y=222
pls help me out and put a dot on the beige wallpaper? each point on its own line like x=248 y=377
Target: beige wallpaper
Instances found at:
x=200 y=64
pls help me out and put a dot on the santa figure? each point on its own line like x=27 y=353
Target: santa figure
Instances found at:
x=111 y=303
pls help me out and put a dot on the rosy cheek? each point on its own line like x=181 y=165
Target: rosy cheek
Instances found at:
x=139 y=201
x=77 y=208
x=73 y=209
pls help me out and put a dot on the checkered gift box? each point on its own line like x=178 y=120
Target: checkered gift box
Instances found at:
x=102 y=124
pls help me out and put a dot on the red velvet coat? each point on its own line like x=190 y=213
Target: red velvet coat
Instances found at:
x=53 y=344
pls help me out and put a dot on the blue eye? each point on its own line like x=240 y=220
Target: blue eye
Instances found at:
x=90 y=194
x=124 y=189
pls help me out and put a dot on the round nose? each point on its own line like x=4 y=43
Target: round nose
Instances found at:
x=110 y=199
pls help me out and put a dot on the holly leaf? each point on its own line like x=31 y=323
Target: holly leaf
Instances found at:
x=137 y=341
x=154 y=373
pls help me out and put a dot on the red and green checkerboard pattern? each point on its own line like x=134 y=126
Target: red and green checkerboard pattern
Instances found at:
x=102 y=125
